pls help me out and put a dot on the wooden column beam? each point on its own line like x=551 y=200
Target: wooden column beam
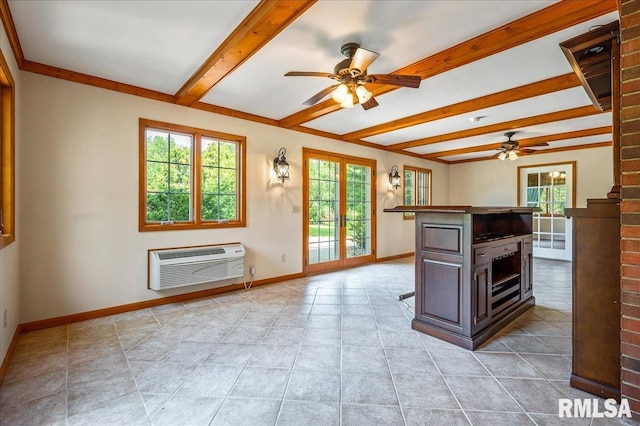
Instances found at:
x=556 y=17
x=615 y=109
x=264 y=22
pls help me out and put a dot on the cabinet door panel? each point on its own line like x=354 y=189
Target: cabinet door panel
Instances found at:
x=481 y=297
x=442 y=238
x=441 y=298
x=527 y=276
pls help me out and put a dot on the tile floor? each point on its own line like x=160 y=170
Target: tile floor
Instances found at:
x=334 y=349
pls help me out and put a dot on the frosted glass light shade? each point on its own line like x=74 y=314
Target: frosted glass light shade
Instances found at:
x=363 y=94
x=340 y=93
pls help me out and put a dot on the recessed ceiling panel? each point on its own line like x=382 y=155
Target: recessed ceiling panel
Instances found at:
x=152 y=44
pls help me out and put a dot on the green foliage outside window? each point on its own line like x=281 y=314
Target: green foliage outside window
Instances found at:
x=168 y=177
x=219 y=180
x=549 y=193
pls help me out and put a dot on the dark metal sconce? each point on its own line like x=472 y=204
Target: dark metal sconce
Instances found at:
x=281 y=166
x=394 y=178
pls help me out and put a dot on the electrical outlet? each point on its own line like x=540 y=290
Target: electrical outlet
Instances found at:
x=252 y=270
x=4 y=318
x=283 y=258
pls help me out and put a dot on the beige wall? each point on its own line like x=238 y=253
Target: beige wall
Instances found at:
x=9 y=256
x=80 y=238
x=494 y=183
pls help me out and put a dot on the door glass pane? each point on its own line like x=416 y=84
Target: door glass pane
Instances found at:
x=324 y=211
x=423 y=189
x=358 y=201
x=547 y=190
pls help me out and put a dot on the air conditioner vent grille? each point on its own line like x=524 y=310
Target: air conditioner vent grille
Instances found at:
x=191 y=253
x=192 y=273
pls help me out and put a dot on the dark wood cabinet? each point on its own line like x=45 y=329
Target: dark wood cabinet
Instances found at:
x=473 y=270
x=527 y=267
x=481 y=296
x=596 y=297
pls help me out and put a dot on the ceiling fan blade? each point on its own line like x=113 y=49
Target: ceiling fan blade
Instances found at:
x=362 y=59
x=307 y=74
x=412 y=81
x=371 y=103
x=537 y=144
x=321 y=94
x=527 y=151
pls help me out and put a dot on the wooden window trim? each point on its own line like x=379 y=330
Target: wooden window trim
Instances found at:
x=405 y=168
x=7 y=153
x=197 y=222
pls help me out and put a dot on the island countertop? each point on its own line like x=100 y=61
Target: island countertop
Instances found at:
x=461 y=209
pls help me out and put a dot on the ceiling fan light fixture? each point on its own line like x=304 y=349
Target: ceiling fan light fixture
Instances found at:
x=363 y=94
x=348 y=100
x=351 y=75
x=340 y=93
x=512 y=155
x=502 y=156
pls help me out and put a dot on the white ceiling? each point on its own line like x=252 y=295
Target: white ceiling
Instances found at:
x=159 y=45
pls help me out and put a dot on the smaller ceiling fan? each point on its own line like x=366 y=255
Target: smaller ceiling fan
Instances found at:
x=510 y=148
x=351 y=75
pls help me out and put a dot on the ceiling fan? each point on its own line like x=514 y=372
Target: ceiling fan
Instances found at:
x=351 y=76
x=510 y=148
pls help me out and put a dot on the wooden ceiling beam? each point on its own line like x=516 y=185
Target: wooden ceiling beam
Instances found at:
x=556 y=17
x=12 y=34
x=91 y=80
x=567 y=114
x=554 y=84
x=543 y=151
x=522 y=142
x=264 y=22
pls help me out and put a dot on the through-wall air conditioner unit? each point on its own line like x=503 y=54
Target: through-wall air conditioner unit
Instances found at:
x=170 y=268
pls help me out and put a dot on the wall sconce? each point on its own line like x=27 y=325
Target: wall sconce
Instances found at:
x=394 y=178
x=281 y=166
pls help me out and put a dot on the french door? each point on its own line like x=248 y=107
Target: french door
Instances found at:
x=339 y=214
x=551 y=188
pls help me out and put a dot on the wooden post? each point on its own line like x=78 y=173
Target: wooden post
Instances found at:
x=615 y=109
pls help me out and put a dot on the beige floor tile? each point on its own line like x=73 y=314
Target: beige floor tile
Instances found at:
x=336 y=348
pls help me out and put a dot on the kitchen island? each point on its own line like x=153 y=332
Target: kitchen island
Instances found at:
x=473 y=270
